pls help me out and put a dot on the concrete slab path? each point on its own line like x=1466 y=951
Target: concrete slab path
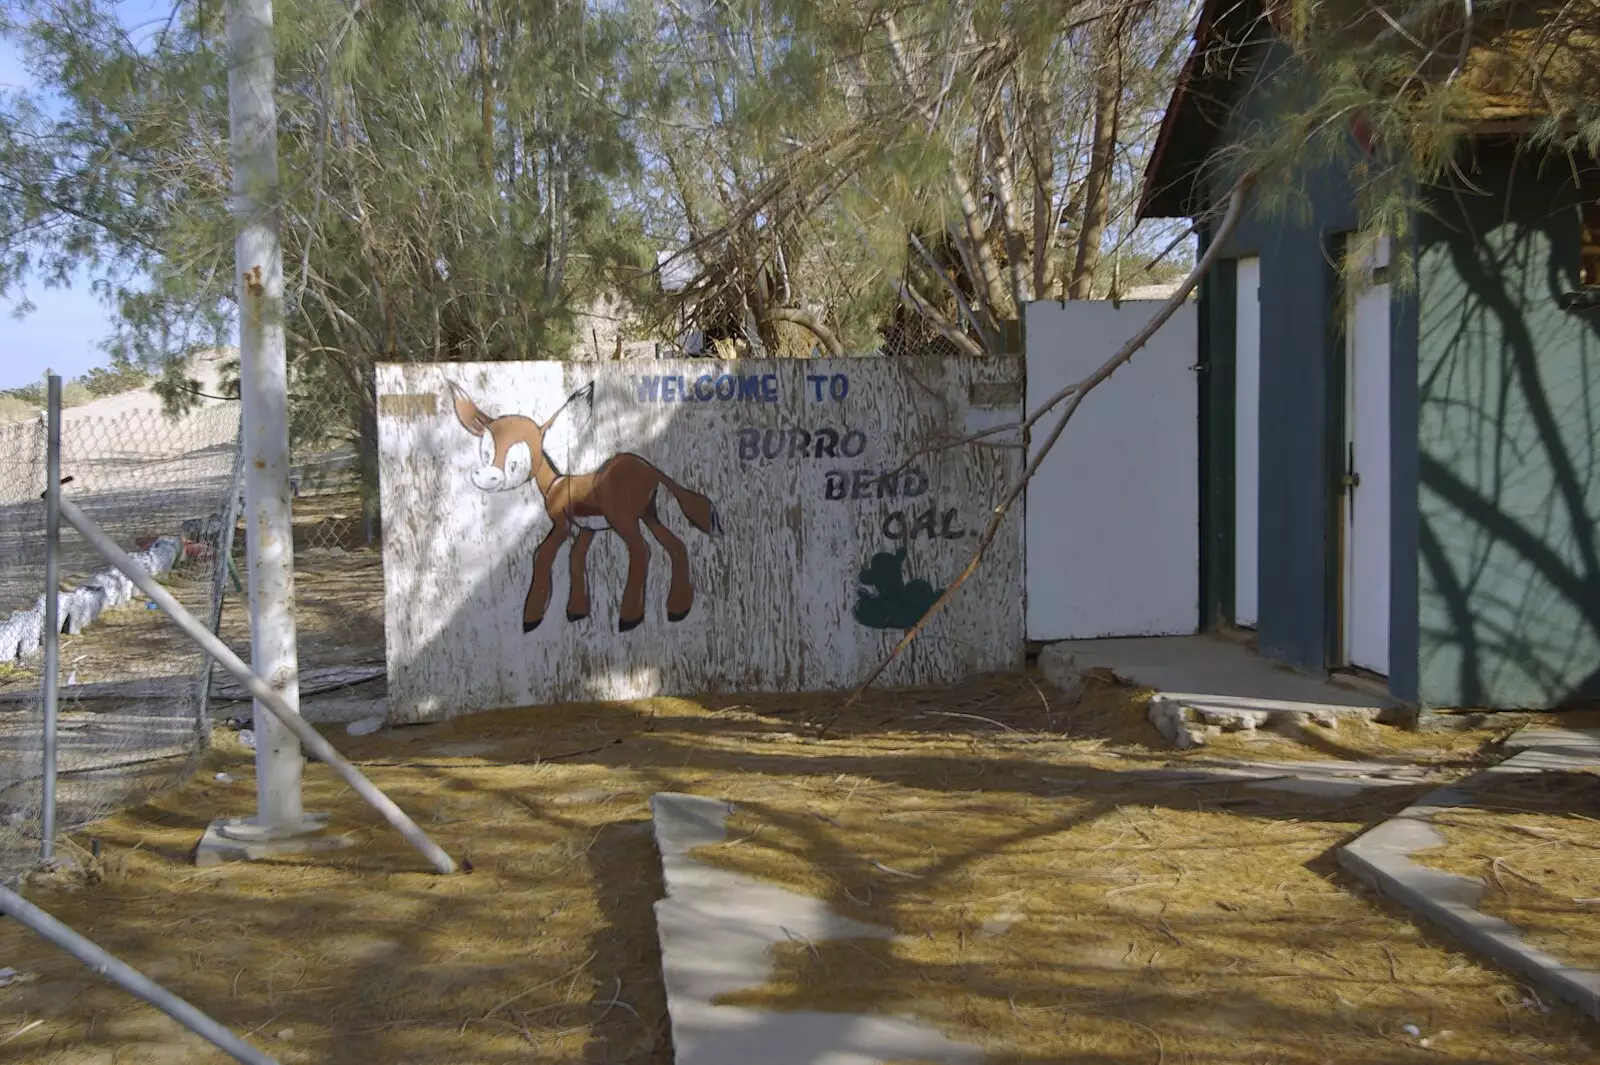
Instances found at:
x=716 y=930
x=1382 y=857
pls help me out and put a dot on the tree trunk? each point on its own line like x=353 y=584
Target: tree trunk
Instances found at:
x=1102 y=157
x=1046 y=225
x=486 y=148
x=367 y=455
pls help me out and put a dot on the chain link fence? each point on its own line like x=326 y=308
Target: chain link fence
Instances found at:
x=134 y=691
x=338 y=558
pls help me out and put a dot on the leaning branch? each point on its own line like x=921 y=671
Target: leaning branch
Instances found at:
x=811 y=323
x=1073 y=395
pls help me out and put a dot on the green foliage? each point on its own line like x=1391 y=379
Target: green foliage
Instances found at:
x=119 y=377
x=1422 y=82
x=897 y=165
x=75 y=394
x=13 y=408
x=453 y=179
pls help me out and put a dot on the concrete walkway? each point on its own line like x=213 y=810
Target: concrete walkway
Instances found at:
x=716 y=929
x=1382 y=857
x=1205 y=685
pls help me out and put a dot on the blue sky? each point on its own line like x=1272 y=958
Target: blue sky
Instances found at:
x=67 y=326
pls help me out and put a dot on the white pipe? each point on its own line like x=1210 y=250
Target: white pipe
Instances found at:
x=264 y=695
x=264 y=395
x=129 y=979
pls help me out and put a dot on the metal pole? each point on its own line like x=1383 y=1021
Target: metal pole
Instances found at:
x=222 y=560
x=264 y=390
x=129 y=979
x=49 y=679
x=274 y=703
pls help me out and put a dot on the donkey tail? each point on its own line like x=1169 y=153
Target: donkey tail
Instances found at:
x=700 y=511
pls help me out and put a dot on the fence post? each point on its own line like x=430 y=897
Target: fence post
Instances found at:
x=49 y=675
x=264 y=390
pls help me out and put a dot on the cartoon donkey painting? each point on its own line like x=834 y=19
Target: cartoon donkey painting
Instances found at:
x=619 y=496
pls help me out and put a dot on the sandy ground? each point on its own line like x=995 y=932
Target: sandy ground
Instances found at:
x=1064 y=900
x=134 y=471
x=204 y=367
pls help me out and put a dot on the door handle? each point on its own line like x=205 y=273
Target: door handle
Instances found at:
x=1351 y=478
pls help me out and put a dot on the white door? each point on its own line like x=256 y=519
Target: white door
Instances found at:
x=1113 y=514
x=1247 y=442
x=1366 y=503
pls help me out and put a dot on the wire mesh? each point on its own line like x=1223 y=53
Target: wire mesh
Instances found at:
x=133 y=693
x=337 y=553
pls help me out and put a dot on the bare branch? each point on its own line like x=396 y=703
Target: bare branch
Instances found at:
x=1074 y=396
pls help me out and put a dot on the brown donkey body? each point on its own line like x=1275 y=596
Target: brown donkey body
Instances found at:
x=619 y=496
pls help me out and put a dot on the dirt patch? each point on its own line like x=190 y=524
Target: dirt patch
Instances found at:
x=1533 y=840
x=1069 y=901
x=545 y=952
x=1206 y=925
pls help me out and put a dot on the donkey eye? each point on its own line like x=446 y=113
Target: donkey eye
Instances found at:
x=486 y=449
x=519 y=461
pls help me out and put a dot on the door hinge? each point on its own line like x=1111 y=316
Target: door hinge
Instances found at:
x=1351 y=478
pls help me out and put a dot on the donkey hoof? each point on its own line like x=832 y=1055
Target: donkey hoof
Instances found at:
x=529 y=626
x=576 y=617
x=624 y=625
x=678 y=615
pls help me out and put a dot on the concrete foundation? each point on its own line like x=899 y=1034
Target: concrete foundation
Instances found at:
x=1206 y=685
x=240 y=839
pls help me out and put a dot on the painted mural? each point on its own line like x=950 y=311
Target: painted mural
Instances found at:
x=804 y=520
x=619 y=497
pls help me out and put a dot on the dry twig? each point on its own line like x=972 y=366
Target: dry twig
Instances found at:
x=1073 y=395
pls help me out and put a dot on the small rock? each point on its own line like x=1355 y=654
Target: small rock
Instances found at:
x=224 y=778
x=998 y=925
x=1412 y=1030
x=9 y=976
x=285 y=1033
x=366 y=726
x=247 y=738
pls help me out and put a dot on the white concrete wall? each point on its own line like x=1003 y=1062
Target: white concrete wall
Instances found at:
x=1113 y=514
x=775 y=596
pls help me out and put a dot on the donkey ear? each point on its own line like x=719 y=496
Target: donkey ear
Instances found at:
x=566 y=434
x=472 y=419
x=576 y=411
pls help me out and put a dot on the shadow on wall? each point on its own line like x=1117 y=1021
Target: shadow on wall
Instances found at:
x=1509 y=457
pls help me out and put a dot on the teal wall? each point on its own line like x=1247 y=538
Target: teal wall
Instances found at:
x=1508 y=464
